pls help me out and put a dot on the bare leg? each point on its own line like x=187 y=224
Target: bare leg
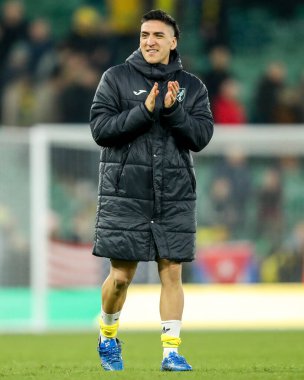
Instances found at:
x=114 y=289
x=172 y=294
x=171 y=311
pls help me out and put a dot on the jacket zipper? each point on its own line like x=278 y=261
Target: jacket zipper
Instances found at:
x=121 y=168
x=191 y=176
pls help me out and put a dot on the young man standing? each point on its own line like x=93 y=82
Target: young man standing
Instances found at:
x=147 y=114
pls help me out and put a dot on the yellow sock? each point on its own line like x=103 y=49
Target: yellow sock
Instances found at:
x=170 y=344
x=170 y=341
x=108 y=331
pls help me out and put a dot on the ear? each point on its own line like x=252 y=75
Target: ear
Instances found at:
x=173 y=43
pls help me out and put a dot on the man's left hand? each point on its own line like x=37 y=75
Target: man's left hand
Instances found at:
x=170 y=98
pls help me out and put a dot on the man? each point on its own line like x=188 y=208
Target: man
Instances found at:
x=147 y=114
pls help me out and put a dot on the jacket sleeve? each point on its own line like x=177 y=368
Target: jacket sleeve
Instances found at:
x=193 y=129
x=110 y=125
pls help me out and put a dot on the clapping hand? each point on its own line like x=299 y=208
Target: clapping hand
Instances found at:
x=170 y=97
x=151 y=98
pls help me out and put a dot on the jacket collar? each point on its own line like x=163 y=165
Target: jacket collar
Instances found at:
x=157 y=71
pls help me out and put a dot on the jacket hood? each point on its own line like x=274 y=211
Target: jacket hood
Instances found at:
x=155 y=71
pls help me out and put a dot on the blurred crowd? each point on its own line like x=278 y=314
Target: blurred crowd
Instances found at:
x=258 y=200
x=274 y=100
x=48 y=80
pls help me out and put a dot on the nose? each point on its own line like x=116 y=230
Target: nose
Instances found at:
x=151 y=40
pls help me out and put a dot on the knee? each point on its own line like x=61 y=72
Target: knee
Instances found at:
x=121 y=283
x=171 y=281
x=121 y=275
x=171 y=275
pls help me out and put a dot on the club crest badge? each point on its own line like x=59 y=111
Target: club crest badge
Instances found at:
x=181 y=94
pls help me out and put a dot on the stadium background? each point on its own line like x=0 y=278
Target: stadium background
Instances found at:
x=250 y=246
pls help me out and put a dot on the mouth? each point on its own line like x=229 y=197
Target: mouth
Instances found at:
x=152 y=51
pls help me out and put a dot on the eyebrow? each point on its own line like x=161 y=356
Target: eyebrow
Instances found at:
x=156 y=33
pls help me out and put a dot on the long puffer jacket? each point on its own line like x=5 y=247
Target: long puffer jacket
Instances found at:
x=146 y=193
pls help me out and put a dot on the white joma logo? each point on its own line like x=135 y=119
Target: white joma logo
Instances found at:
x=139 y=92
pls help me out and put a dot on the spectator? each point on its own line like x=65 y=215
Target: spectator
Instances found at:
x=124 y=17
x=234 y=170
x=90 y=35
x=221 y=212
x=267 y=93
x=18 y=101
x=13 y=26
x=269 y=224
x=47 y=94
x=289 y=108
x=227 y=108
x=219 y=58
x=77 y=95
x=41 y=49
x=214 y=23
x=293 y=270
x=13 y=29
x=286 y=264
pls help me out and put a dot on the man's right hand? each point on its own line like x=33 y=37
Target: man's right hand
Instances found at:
x=150 y=101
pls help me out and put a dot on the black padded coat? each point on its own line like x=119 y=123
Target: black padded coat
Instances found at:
x=146 y=193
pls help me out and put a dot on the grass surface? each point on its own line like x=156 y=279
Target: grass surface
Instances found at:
x=214 y=355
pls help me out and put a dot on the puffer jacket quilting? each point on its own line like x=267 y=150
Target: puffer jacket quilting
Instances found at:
x=146 y=193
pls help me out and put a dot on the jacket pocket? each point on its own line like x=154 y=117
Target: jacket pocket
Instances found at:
x=190 y=172
x=122 y=166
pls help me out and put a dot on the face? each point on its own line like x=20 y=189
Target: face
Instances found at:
x=156 y=41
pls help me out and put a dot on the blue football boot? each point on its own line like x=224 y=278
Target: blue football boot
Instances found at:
x=175 y=362
x=110 y=354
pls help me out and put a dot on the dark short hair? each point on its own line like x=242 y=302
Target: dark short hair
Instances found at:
x=160 y=15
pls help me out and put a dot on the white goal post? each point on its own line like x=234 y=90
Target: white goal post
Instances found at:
x=41 y=139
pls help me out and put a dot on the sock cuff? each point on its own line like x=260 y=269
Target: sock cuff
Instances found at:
x=170 y=341
x=172 y=321
x=171 y=327
x=109 y=319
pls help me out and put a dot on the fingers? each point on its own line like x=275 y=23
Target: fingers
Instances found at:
x=173 y=87
x=150 y=100
x=170 y=98
x=155 y=90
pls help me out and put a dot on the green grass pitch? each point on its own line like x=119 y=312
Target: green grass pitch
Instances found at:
x=256 y=355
